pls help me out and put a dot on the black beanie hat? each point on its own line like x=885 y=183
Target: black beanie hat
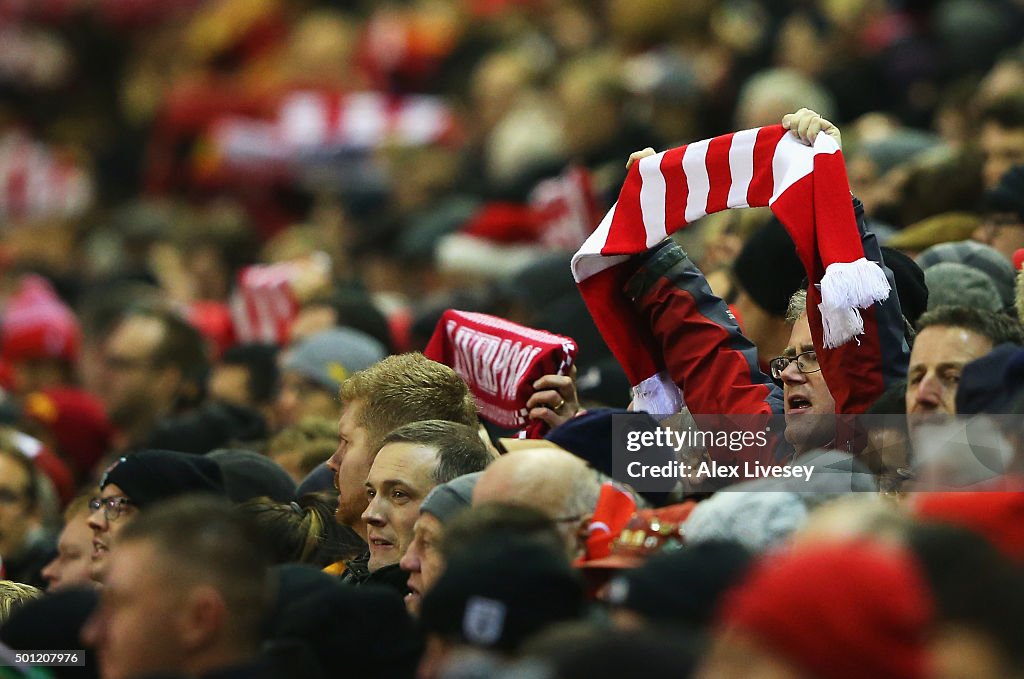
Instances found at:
x=500 y=592
x=320 y=620
x=910 y=285
x=683 y=587
x=153 y=475
x=248 y=474
x=768 y=268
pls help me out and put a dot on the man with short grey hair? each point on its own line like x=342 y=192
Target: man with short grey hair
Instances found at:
x=552 y=480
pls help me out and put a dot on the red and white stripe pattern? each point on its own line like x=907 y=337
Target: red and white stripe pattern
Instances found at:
x=805 y=186
x=362 y=120
x=263 y=304
x=37 y=183
x=311 y=122
x=565 y=208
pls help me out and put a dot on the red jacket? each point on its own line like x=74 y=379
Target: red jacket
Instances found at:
x=715 y=365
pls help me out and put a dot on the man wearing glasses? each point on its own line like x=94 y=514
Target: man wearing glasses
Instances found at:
x=155 y=366
x=716 y=368
x=549 y=479
x=137 y=481
x=807 y=402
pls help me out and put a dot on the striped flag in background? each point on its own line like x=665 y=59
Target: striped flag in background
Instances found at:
x=310 y=123
x=36 y=182
x=263 y=304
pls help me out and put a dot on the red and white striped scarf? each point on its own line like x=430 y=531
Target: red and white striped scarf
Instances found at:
x=500 y=360
x=805 y=187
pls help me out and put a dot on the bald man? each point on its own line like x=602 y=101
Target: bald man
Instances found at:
x=549 y=479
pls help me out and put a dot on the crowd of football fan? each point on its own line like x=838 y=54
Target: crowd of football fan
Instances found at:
x=229 y=230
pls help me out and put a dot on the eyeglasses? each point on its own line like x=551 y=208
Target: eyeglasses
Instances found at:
x=807 y=362
x=113 y=507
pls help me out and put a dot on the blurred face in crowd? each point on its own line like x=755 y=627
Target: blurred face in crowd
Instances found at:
x=37 y=374
x=311 y=319
x=423 y=559
x=809 y=405
x=351 y=465
x=133 y=385
x=962 y=653
x=300 y=397
x=230 y=383
x=72 y=567
x=114 y=512
x=17 y=514
x=936 y=361
x=401 y=476
x=1002 y=231
x=1001 y=148
x=137 y=627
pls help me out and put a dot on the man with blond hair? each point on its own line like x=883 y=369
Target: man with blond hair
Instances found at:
x=374 y=402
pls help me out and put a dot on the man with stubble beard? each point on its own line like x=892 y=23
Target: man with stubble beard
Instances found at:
x=396 y=391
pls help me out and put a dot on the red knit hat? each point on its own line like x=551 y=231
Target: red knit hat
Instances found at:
x=997 y=514
x=78 y=422
x=843 y=611
x=37 y=324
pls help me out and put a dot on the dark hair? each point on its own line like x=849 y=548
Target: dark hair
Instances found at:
x=973 y=585
x=261 y=362
x=303 y=531
x=997 y=327
x=182 y=347
x=460 y=450
x=207 y=540
x=491 y=519
x=356 y=310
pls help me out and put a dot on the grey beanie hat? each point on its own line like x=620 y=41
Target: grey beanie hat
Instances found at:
x=448 y=499
x=757 y=520
x=955 y=284
x=329 y=357
x=984 y=258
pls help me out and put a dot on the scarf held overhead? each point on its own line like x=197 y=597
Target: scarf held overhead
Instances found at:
x=805 y=187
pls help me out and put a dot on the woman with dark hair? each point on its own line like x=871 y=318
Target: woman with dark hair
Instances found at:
x=303 y=531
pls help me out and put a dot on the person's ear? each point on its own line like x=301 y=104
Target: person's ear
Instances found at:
x=203 y=613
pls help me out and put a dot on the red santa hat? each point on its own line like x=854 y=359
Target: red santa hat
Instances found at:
x=805 y=187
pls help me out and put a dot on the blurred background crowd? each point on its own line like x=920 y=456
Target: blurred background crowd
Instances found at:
x=434 y=148
x=214 y=212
